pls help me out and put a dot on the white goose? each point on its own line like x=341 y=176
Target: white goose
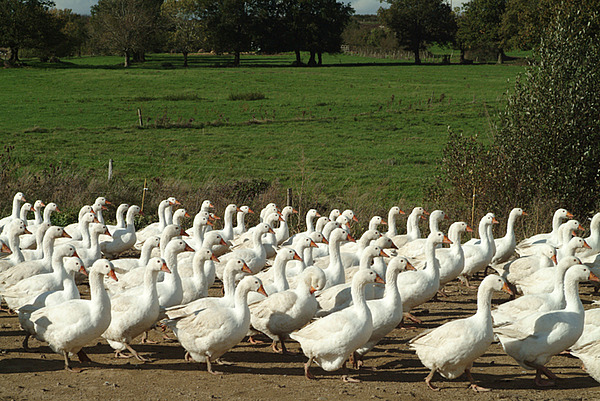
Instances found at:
x=209 y=333
x=38 y=252
x=255 y=258
x=134 y=311
x=28 y=241
x=124 y=265
x=310 y=226
x=419 y=286
x=506 y=246
x=281 y=313
x=170 y=291
x=69 y=326
x=386 y=312
x=227 y=231
x=120 y=216
x=412 y=227
x=240 y=227
x=533 y=340
x=235 y=270
x=282 y=233
x=587 y=347
x=392 y=230
x=196 y=233
x=551 y=238
x=154 y=228
x=450 y=349
x=16 y=207
x=518 y=269
x=541 y=301
x=170 y=232
x=13 y=230
x=416 y=247
x=331 y=340
x=335 y=269
x=593 y=240
x=122 y=238
x=479 y=256
x=196 y=286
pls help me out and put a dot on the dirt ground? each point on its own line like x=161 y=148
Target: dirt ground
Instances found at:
x=393 y=370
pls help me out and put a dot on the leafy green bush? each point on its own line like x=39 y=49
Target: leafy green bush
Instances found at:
x=545 y=152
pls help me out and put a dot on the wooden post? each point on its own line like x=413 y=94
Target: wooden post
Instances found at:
x=143 y=195
x=140 y=120
x=110 y=169
x=289 y=197
x=473 y=212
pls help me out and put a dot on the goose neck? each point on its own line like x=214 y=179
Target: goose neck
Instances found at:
x=392 y=230
x=279 y=277
x=572 y=296
x=484 y=302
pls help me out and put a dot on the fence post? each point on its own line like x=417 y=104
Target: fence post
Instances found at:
x=140 y=120
x=289 y=197
x=143 y=195
x=110 y=169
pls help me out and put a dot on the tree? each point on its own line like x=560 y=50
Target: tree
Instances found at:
x=228 y=25
x=185 y=28
x=24 y=24
x=545 y=151
x=419 y=22
x=125 y=26
x=480 y=26
x=328 y=19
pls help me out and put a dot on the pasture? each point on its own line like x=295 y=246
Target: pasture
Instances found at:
x=353 y=126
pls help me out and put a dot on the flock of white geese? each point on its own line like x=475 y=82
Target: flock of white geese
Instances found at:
x=336 y=296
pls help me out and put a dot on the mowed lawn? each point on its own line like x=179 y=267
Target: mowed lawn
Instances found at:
x=354 y=125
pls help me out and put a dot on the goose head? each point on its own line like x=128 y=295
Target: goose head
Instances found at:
x=74 y=265
x=497 y=283
x=103 y=267
x=157 y=265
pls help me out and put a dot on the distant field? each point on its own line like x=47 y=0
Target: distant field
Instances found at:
x=356 y=124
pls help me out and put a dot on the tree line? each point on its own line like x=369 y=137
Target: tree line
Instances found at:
x=133 y=27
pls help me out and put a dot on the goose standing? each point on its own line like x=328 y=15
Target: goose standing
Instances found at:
x=122 y=238
x=16 y=207
x=392 y=230
x=211 y=332
x=534 y=339
x=255 y=258
x=284 y=312
x=412 y=227
x=240 y=227
x=551 y=237
x=120 y=217
x=134 y=311
x=587 y=347
x=479 y=256
x=506 y=246
x=14 y=229
x=416 y=247
x=154 y=228
x=124 y=265
x=331 y=340
x=450 y=349
x=335 y=270
x=69 y=326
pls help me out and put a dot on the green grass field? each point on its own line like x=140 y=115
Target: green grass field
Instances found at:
x=357 y=125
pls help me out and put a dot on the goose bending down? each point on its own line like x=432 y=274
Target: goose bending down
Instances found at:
x=329 y=341
x=255 y=258
x=235 y=270
x=16 y=207
x=587 y=347
x=210 y=332
x=124 y=265
x=392 y=230
x=412 y=227
x=419 y=286
x=479 y=256
x=134 y=311
x=69 y=326
x=534 y=339
x=122 y=238
x=386 y=312
x=451 y=348
x=416 y=247
x=284 y=312
x=537 y=302
x=552 y=237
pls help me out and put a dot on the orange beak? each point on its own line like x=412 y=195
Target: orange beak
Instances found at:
x=271 y=231
x=42 y=204
x=65 y=235
x=409 y=266
x=294 y=210
x=186 y=214
x=165 y=268
x=238 y=209
x=383 y=222
x=261 y=290
x=75 y=254
x=83 y=271
x=96 y=220
x=350 y=238
x=107 y=202
x=570 y=215
x=378 y=279
x=446 y=240
x=214 y=258
x=106 y=232
x=581 y=228
x=318 y=214
x=507 y=289
x=554 y=259
x=494 y=221
x=5 y=248
x=26 y=231
x=112 y=275
x=313 y=244
x=524 y=214
x=246 y=269
x=593 y=277
x=209 y=223
x=425 y=212
x=469 y=229
x=393 y=246
x=381 y=253
x=312 y=289
x=103 y=207
x=355 y=218
x=325 y=241
x=222 y=242
x=400 y=211
x=297 y=257
x=57 y=210
x=188 y=248
x=183 y=233
x=586 y=245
